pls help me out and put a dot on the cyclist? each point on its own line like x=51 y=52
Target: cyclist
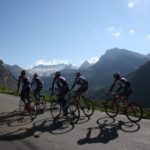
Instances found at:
x=37 y=85
x=124 y=90
x=62 y=89
x=81 y=85
x=23 y=81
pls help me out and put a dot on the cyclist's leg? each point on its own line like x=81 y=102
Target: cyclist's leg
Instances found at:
x=23 y=94
x=83 y=90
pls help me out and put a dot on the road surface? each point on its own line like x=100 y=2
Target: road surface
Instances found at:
x=95 y=133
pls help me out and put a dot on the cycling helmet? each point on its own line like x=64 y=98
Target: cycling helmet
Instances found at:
x=35 y=75
x=23 y=72
x=116 y=76
x=58 y=74
x=78 y=74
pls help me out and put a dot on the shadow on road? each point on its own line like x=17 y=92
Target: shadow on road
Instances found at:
x=14 y=119
x=34 y=130
x=107 y=131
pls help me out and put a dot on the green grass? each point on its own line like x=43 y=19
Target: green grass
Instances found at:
x=7 y=91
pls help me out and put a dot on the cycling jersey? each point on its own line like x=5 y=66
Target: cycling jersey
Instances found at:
x=25 y=90
x=37 y=86
x=80 y=81
x=61 y=84
x=124 y=89
x=37 y=82
x=62 y=89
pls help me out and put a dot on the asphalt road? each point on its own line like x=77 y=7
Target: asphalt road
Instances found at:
x=95 y=133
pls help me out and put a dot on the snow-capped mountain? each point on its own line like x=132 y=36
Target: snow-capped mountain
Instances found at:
x=47 y=70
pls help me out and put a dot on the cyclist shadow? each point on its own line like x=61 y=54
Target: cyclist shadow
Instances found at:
x=13 y=119
x=37 y=129
x=107 y=131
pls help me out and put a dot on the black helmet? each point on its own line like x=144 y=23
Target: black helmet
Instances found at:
x=116 y=75
x=58 y=74
x=23 y=72
x=78 y=74
x=35 y=75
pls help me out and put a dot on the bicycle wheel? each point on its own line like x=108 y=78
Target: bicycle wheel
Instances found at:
x=73 y=115
x=32 y=109
x=55 y=110
x=87 y=107
x=134 y=112
x=111 y=108
x=42 y=103
x=21 y=107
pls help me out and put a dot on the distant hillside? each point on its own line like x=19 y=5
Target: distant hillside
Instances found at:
x=7 y=80
x=115 y=60
x=14 y=70
x=85 y=64
x=141 y=84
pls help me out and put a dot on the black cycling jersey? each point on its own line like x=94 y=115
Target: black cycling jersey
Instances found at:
x=80 y=81
x=60 y=82
x=123 y=84
x=24 y=80
x=37 y=82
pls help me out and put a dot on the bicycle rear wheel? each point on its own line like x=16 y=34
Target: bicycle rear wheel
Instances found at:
x=32 y=109
x=55 y=109
x=87 y=107
x=21 y=107
x=134 y=112
x=42 y=103
x=111 y=108
x=73 y=114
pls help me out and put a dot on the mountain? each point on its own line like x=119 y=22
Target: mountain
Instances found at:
x=14 y=70
x=141 y=84
x=47 y=70
x=114 y=60
x=7 y=80
x=100 y=74
x=85 y=64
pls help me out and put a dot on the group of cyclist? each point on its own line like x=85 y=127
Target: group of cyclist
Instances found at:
x=60 y=85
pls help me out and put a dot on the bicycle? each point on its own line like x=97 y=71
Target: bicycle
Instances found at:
x=56 y=109
x=86 y=105
x=39 y=100
x=132 y=110
x=28 y=107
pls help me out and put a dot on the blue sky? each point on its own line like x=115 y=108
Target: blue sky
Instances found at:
x=53 y=31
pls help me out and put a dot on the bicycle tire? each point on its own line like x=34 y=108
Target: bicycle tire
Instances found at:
x=42 y=103
x=55 y=110
x=111 y=108
x=32 y=109
x=73 y=114
x=21 y=107
x=87 y=107
x=134 y=112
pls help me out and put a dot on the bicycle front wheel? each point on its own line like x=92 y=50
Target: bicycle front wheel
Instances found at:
x=134 y=112
x=87 y=107
x=55 y=110
x=73 y=114
x=111 y=108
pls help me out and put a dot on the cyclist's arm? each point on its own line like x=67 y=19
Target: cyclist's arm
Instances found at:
x=53 y=83
x=112 y=86
x=73 y=85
